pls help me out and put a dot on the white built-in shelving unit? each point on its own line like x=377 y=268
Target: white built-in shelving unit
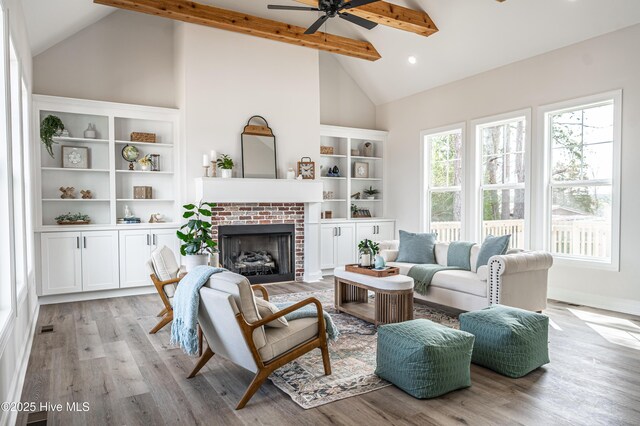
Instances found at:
x=344 y=140
x=108 y=175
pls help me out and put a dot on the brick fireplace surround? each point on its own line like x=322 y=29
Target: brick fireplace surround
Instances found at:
x=264 y=214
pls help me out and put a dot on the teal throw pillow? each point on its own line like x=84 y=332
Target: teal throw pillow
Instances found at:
x=459 y=254
x=492 y=246
x=416 y=248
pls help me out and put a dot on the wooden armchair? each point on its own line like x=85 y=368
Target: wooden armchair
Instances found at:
x=233 y=329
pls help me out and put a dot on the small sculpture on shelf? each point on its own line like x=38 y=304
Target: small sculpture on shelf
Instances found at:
x=355 y=196
x=86 y=194
x=145 y=163
x=333 y=172
x=90 y=133
x=67 y=192
x=156 y=218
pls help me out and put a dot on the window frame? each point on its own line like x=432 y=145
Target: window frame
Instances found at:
x=425 y=182
x=544 y=114
x=476 y=127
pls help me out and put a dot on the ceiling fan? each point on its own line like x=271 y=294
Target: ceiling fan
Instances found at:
x=331 y=9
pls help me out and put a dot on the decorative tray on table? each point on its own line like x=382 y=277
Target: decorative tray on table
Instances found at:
x=372 y=272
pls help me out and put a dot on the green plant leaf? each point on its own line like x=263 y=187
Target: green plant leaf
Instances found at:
x=189 y=206
x=187 y=215
x=204 y=212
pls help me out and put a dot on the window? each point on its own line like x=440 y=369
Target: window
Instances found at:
x=582 y=142
x=502 y=179
x=6 y=258
x=443 y=182
x=19 y=222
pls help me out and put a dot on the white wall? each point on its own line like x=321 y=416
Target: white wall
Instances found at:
x=125 y=57
x=225 y=78
x=342 y=101
x=598 y=65
x=15 y=343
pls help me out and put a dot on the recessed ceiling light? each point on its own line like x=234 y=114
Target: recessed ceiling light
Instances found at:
x=412 y=60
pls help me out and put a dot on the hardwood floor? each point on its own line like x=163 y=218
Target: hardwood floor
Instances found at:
x=101 y=353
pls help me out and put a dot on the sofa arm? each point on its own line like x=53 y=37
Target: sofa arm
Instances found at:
x=520 y=262
x=519 y=280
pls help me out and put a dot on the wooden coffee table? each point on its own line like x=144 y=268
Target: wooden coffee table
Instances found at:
x=392 y=301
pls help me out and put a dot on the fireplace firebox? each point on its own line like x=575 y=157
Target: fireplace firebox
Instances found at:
x=262 y=253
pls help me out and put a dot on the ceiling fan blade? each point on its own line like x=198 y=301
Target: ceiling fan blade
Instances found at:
x=278 y=7
x=365 y=23
x=316 y=25
x=356 y=3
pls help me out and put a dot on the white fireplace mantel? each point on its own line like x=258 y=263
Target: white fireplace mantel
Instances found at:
x=219 y=190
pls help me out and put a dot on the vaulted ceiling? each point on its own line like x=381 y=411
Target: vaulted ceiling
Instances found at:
x=474 y=36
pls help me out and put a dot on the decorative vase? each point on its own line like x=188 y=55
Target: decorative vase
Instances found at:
x=365 y=258
x=379 y=262
x=291 y=174
x=90 y=133
x=371 y=197
x=226 y=173
x=144 y=167
x=193 y=260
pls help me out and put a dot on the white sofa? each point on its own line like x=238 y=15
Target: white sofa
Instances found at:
x=518 y=279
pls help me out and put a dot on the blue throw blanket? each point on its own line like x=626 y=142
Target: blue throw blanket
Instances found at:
x=185 y=308
x=309 y=311
x=423 y=274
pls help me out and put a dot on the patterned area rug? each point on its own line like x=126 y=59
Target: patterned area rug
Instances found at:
x=353 y=357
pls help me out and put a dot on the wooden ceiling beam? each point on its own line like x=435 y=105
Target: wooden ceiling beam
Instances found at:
x=392 y=15
x=196 y=13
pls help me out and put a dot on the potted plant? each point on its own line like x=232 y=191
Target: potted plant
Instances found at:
x=73 y=219
x=50 y=126
x=371 y=193
x=145 y=162
x=225 y=163
x=367 y=249
x=196 y=235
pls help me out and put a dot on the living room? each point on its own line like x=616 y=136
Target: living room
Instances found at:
x=400 y=212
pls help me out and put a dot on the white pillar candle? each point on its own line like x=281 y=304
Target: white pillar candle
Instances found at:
x=205 y=160
x=213 y=155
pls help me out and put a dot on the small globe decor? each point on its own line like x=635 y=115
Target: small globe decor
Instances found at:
x=130 y=153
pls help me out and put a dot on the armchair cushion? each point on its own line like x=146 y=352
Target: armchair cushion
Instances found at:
x=281 y=340
x=165 y=267
x=239 y=286
x=265 y=309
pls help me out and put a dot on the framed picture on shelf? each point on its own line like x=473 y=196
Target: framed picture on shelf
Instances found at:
x=75 y=157
x=360 y=169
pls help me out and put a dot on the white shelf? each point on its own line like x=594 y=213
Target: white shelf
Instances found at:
x=83 y=140
x=333 y=155
x=76 y=200
x=333 y=200
x=364 y=200
x=334 y=178
x=158 y=200
x=157 y=145
x=69 y=169
x=366 y=178
x=145 y=172
x=360 y=157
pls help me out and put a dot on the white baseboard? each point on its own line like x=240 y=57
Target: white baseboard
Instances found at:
x=93 y=295
x=615 y=304
x=17 y=383
x=312 y=276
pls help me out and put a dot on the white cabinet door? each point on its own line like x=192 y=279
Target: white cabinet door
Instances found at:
x=346 y=244
x=135 y=251
x=61 y=262
x=166 y=237
x=100 y=260
x=327 y=246
x=366 y=231
x=384 y=231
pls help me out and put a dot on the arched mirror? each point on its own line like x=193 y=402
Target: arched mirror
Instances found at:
x=258 y=150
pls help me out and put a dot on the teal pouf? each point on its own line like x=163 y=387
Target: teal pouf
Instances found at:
x=423 y=358
x=510 y=341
